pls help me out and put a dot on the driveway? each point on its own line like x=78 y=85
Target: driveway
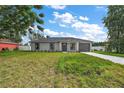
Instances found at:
x=114 y=59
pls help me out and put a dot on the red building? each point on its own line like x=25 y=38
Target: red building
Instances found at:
x=7 y=44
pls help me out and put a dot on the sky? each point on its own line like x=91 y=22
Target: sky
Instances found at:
x=80 y=21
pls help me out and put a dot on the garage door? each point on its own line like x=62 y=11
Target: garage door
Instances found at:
x=84 y=47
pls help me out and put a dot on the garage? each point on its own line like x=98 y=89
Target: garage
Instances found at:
x=84 y=47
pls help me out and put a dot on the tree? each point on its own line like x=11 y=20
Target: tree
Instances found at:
x=99 y=43
x=114 y=21
x=14 y=20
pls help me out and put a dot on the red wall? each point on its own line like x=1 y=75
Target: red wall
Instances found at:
x=8 y=45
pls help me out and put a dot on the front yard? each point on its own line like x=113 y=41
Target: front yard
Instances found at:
x=109 y=53
x=38 y=69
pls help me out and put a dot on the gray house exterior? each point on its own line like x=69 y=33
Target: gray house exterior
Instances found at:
x=68 y=44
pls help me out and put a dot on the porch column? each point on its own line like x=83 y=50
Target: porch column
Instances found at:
x=77 y=46
x=60 y=46
x=68 y=46
x=90 y=46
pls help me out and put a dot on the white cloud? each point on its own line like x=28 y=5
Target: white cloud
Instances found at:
x=50 y=32
x=84 y=18
x=58 y=7
x=89 y=31
x=79 y=25
x=64 y=18
x=52 y=21
x=57 y=34
x=62 y=25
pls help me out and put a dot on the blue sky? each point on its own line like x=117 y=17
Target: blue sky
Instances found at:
x=80 y=21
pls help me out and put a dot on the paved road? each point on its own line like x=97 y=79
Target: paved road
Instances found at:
x=107 y=57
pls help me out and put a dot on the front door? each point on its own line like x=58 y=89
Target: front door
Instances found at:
x=37 y=46
x=64 y=46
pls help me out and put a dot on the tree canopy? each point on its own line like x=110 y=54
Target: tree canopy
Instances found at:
x=14 y=20
x=99 y=43
x=114 y=21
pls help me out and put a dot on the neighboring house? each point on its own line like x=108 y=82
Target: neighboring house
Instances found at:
x=7 y=44
x=98 y=48
x=61 y=44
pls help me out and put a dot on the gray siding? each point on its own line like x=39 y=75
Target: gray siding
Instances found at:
x=56 y=47
x=44 y=46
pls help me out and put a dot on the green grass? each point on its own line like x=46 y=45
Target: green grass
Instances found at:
x=40 y=69
x=110 y=53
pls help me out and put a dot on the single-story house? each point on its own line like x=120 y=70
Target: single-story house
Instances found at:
x=61 y=44
x=7 y=44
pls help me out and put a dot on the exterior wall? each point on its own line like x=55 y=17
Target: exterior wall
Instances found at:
x=58 y=46
x=68 y=46
x=8 y=46
x=33 y=46
x=44 y=47
x=69 y=49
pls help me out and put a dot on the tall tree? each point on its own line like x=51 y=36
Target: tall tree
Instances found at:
x=14 y=20
x=114 y=21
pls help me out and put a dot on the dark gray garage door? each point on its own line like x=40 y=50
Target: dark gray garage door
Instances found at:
x=84 y=47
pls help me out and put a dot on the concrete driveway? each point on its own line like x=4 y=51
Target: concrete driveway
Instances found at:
x=114 y=59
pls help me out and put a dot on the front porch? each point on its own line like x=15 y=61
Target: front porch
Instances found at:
x=69 y=46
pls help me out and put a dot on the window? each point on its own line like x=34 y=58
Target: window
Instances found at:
x=37 y=46
x=51 y=46
x=72 y=46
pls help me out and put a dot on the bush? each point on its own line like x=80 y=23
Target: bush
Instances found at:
x=5 y=49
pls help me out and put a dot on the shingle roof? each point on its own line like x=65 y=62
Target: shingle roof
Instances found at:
x=59 y=39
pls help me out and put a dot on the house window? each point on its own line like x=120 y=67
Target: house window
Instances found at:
x=72 y=46
x=51 y=46
x=37 y=46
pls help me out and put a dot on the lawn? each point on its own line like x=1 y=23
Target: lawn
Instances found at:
x=110 y=53
x=40 y=69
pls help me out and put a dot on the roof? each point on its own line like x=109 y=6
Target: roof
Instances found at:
x=7 y=41
x=59 y=39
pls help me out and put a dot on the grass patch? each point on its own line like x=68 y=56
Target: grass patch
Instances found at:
x=88 y=71
x=41 y=69
x=110 y=53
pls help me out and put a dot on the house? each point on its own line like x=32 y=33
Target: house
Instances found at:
x=61 y=44
x=7 y=44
